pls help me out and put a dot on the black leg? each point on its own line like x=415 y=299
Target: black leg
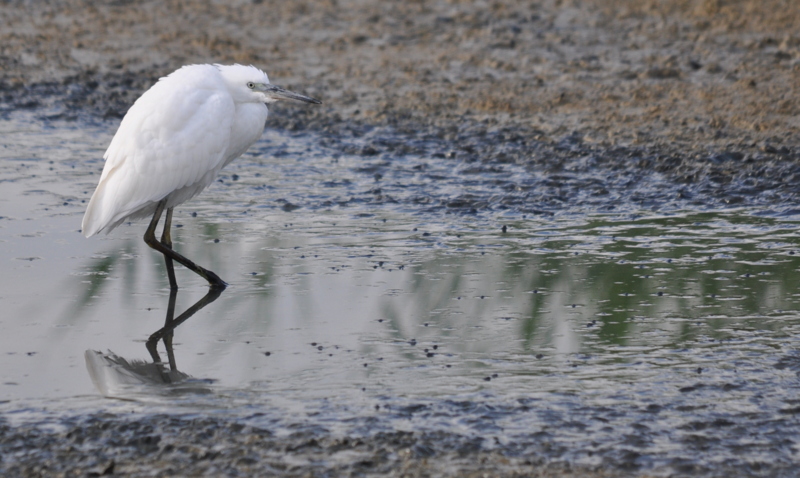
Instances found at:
x=166 y=240
x=150 y=239
x=169 y=322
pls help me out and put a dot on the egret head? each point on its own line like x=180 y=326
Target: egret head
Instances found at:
x=251 y=85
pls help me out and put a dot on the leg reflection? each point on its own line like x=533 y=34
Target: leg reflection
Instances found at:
x=171 y=322
x=117 y=377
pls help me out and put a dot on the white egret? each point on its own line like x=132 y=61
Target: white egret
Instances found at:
x=173 y=142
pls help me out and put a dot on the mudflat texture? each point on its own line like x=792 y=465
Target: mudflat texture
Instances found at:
x=703 y=92
x=688 y=73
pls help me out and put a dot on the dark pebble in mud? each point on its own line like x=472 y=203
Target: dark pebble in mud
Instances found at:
x=691 y=388
x=289 y=207
x=103 y=470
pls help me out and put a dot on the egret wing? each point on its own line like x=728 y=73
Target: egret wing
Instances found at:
x=174 y=137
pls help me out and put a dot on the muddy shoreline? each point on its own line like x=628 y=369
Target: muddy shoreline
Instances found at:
x=701 y=95
x=701 y=174
x=195 y=446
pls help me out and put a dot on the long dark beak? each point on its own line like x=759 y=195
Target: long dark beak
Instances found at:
x=279 y=93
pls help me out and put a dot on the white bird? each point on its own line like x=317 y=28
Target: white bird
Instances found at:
x=173 y=142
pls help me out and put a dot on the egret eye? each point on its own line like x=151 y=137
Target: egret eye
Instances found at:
x=251 y=85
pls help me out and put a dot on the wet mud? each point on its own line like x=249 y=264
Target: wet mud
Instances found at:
x=494 y=113
x=200 y=446
x=703 y=94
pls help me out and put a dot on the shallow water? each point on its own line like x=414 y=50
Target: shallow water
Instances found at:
x=378 y=292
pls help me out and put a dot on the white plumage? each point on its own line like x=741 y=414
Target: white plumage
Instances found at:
x=176 y=137
x=173 y=141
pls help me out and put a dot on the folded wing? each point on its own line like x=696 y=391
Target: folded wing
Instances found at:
x=173 y=140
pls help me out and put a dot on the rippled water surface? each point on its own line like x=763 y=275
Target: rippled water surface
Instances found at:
x=379 y=292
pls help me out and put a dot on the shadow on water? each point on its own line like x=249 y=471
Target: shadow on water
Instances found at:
x=116 y=377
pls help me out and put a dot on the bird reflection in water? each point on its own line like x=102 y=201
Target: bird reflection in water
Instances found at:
x=116 y=377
